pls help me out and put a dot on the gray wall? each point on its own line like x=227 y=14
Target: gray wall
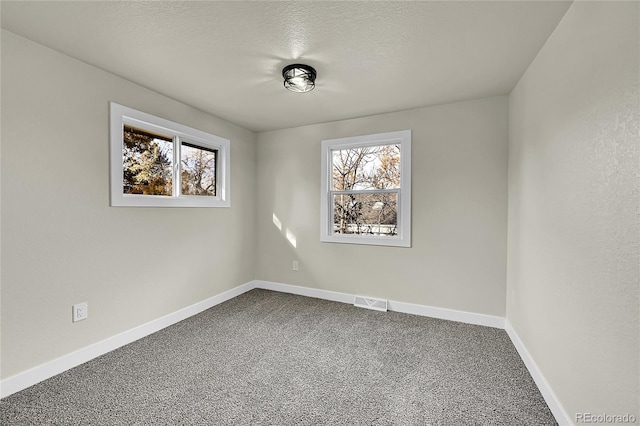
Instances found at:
x=62 y=243
x=459 y=205
x=573 y=209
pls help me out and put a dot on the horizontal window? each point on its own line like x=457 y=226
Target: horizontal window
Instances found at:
x=159 y=163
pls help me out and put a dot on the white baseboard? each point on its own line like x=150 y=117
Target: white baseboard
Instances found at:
x=549 y=396
x=49 y=369
x=407 y=308
x=447 y=314
x=305 y=291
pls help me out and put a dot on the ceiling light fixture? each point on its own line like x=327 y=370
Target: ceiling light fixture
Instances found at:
x=299 y=78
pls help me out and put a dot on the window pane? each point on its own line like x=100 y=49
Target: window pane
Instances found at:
x=198 y=170
x=366 y=214
x=147 y=162
x=372 y=167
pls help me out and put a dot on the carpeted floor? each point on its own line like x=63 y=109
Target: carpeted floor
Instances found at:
x=278 y=359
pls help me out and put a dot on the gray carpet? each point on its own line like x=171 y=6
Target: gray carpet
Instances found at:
x=278 y=359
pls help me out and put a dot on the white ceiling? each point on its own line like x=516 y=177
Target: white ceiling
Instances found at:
x=226 y=58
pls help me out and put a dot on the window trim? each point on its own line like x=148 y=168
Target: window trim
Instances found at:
x=403 y=239
x=121 y=115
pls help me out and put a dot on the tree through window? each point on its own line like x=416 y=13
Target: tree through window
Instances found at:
x=147 y=162
x=198 y=170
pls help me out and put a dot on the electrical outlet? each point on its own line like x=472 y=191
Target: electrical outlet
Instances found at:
x=295 y=265
x=80 y=312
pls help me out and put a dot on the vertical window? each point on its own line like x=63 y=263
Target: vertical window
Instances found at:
x=366 y=189
x=159 y=163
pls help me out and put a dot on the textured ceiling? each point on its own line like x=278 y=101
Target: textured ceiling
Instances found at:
x=226 y=58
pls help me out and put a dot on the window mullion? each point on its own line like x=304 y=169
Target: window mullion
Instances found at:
x=366 y=191
x=177 y=155
x=219 y=173
x=332 y=212
x=399 y=222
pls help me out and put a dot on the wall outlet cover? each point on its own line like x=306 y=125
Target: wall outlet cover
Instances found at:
x=80 y=312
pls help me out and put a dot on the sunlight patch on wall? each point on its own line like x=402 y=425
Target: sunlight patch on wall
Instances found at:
x=291 y=238
x=277 y=222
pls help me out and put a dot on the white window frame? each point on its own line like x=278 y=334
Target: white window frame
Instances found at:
x=121 y=115
x=403 y=238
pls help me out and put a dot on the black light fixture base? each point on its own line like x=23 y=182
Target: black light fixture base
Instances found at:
x=299 y=78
